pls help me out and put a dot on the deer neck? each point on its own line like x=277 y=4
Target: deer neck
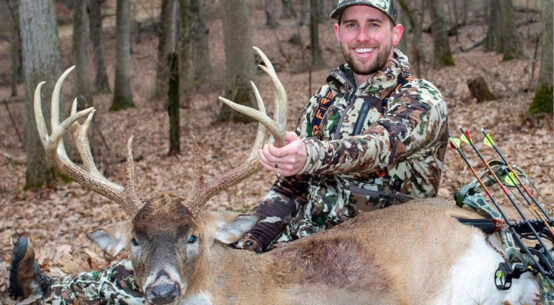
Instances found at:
x=224 y=275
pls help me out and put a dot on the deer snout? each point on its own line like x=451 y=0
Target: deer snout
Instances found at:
x=163 y=291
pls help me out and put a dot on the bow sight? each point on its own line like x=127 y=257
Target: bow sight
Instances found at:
x=525 y=241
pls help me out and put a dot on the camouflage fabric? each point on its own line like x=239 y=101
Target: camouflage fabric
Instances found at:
x=115 y=285
x=386 y=6
x=372 y=144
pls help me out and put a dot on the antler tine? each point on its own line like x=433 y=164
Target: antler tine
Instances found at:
x=89 y=177
x=132 y=203
x=280 y=95
x=203 y=191
x=39 y=117
x=83 y=147
x=260 y=133
x=55 y=105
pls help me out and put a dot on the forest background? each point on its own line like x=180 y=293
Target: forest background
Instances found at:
x=453 y=44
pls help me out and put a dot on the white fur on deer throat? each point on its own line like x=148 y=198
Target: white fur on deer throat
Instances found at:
x=200 y=298
x=468 y=285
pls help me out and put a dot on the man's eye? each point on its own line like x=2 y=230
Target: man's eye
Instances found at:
x=192 y=239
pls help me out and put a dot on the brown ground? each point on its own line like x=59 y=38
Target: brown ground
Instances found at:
x=56 y=218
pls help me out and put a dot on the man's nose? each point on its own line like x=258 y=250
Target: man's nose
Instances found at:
x=363 y=35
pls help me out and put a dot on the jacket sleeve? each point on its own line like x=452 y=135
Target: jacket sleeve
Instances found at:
x=277 y=208
x=414 y=119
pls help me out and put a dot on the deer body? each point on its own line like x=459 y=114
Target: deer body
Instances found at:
x=416 y=253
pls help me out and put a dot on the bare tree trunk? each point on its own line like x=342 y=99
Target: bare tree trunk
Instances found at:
x=41 y=62
x=80 y=53
x=502 y=35
x=317 y=60
x=442 y=56
x=201 y=64
x=404 y=19
x=542 y=103
x=239 y=58
x=465 y=11
x=320 y=10
x=173 y=105
x=15 y=46
x=414 y=13
x=271 y=14
x=101 y=83
x=304 y=16
x=184 y=51
x=287 y=9
x=166 y=25
x=122 y=96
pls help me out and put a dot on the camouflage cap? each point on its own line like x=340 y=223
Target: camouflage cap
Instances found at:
x=385 y=6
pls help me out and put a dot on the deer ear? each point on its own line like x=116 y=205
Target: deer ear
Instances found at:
x=233 y=231
x=113 y=238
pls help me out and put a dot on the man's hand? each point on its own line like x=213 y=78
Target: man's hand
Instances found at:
x=287 y=160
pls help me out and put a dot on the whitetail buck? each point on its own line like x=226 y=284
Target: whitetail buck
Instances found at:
x=416 y=253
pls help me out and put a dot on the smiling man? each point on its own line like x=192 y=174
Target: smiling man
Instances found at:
x=372 y=136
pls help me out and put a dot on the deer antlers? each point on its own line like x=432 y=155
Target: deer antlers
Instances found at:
x=203 y=191
x=89 y=176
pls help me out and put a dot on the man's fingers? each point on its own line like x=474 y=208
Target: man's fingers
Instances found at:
x=280 y=152
x=291 y=136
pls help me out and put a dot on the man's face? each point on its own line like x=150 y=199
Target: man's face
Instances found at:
x=367 y=38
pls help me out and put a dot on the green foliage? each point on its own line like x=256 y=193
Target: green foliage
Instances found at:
x=447 y=60
x=542 y=103
x=65 y=179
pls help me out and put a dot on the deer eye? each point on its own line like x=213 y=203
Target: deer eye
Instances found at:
x=134 y=242
x=192 y=239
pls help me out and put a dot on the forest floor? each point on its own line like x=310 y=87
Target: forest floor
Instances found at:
x=58 y=216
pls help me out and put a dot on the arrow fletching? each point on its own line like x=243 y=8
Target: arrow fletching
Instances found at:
x=488 y=140
x=464 y=139
x=510 y=179
x=454 y=142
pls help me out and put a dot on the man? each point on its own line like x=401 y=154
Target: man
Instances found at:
x=372 y=136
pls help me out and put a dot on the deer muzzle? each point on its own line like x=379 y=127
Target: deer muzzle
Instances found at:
x=163 y=290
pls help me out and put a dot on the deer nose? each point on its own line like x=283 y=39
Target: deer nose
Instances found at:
x=163 y=293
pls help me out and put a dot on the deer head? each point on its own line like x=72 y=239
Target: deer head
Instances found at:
x=166 y=235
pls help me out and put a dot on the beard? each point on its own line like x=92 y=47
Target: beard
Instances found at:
x=381 y=58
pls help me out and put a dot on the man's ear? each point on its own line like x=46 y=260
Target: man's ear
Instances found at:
x=336 y=29
x=113 y=238
x=397 y=32
x=233 y=231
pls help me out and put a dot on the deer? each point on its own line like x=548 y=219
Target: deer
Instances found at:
x=415 y=253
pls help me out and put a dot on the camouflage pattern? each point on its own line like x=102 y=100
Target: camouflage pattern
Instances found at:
x=546 y=290
x=398 y=151
x=386 y=6
x=115 y=285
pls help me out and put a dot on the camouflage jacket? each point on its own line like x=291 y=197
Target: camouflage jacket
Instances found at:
x=365 y=145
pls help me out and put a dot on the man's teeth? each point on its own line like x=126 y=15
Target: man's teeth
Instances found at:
x=364 y=50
